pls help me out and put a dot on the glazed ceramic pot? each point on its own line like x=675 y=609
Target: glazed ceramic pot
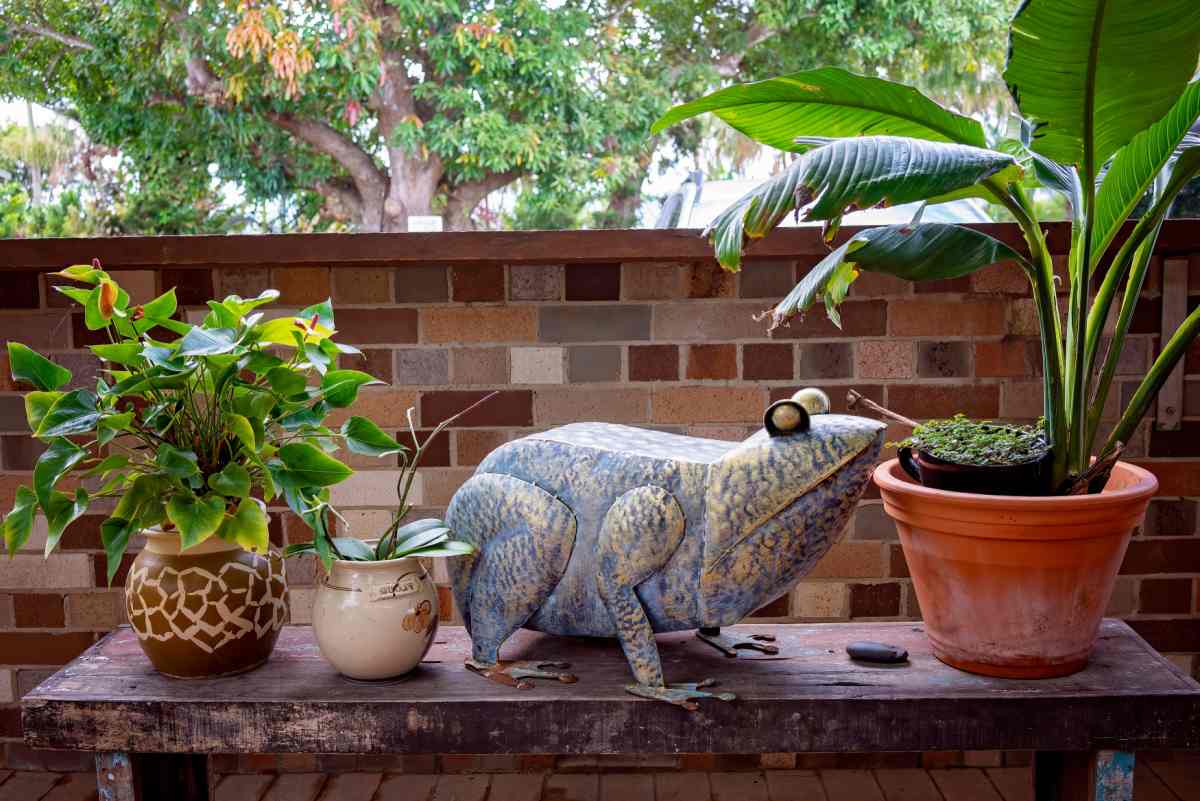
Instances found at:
x=375 y=620
x=214 y=610
x=1014 y=586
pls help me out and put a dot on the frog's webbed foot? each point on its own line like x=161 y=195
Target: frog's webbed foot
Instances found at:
x=683 y=695
x=730 y=644
x=517 y=674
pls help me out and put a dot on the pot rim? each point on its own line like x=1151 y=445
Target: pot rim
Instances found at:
x=890 y=477
x=376 y=565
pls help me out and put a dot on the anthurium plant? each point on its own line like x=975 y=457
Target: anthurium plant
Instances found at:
x=1106 y=92
x=190 y=428
x=426 y=537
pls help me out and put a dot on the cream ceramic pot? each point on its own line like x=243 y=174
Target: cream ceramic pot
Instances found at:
x=375 y=620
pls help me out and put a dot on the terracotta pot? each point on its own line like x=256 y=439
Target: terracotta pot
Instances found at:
x=213 y=610
x=1014 y=586
x=375 y=620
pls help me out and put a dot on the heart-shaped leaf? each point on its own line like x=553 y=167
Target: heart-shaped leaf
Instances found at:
x=308 y=466
x=114 y=536
x=364 y=437
x=73 y=413
x=233 y=481
x=240 y=427
x=162 y=306
x=248 y=526
x=19 y=522
x=208 y=341
x=37 y=404
x=196 y=518
x=62 y=512
x=120 y=353
x=341 y=386
x=33 y=368
x=54 y=463
x=177 y=463
x=323 y=311
x=286 y=381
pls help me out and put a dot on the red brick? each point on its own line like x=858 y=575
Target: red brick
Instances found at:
x=768 y=362
x=980 y=401
x=1006 y=358
x=10 y=721
x=20 y=451
x=1175 y=477
x=421 y=284
x=38 y=611
x=19 y=289
x=1178 y=635
x=195 y=287
x=248 y=282
x=920 y=317
x=445 y=604
x=101 y=569
x=646 y=363
x=1184 y=441
x=477 y=283
x=301 y=286
x=713 y=362
x=826 y=360
x=898 y=566
x=1164 y=596
x=943 y=359
x=510 y=408
x=960 y=284
x=594 y=281
x=1001 y=278
x=863 y=318
x=35 y=648
x=377 y=326
x=377 y=362
x=41 y=331
x=473 y=446
x=437 y=453
x=780 y=607
x=1170 y=517
x=875 y=600
x=766 y=279
x=1162 y=556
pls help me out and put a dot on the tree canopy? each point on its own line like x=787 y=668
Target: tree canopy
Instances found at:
x=368 y=111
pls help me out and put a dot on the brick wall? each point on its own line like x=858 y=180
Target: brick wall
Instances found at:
x=630 y=327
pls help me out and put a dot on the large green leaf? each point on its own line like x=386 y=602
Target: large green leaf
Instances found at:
x=363 y=436
x=854 y=174
x=177 y=463
x=921 y=252
x=196 y=518
x=73 y=413
x=62 y=511
x=114 y=536
x=340 y=387
x=30 y=366
x=1133 y=170
x=19 y=522
x=37 y=403
x=208 y=341
x=828 y=102
x=233 y=481
x=162 y=306
x=54 y=463
x=308 y=466
x=247 y=526
x=1091 y=74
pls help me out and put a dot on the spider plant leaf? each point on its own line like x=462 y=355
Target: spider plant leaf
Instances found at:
x=354 y=549
x=448 y=548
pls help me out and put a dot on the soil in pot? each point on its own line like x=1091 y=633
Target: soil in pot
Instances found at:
x=1014 y=586
x=213 y=610
x=963 y=455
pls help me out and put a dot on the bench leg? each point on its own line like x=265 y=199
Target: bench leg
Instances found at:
x=1083 y=776
x=148 y=777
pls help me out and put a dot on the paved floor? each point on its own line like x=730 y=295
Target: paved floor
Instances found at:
x=1177 y=780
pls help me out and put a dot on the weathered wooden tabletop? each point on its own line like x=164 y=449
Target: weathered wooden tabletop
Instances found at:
x=811 y=697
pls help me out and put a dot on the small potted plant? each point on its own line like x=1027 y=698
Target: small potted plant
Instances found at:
x=377 y=608
x=191 y=430
x=1009 y=586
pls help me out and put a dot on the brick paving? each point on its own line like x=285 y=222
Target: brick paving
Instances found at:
x=1175 y=780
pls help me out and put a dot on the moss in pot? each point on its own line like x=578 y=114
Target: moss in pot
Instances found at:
x=963 y=455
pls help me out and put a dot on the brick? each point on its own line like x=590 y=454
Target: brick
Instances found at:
x=422 y=366
x=778 y=608
x=1124 y=598
x=406 y=787
x=878 y=285
x=859 y=785
x=777 y=761
x=296 y=787
x=35 y=648
x=874 y=600
x=681 y=787
x=768 y=362
x=440 y=484
x=863 y=318
x=968 y=784
x=1001 y=278
x=377 y=326
x=1167 y=634
x=437 y=452
x=300 y=602
x=626 y=787
x=507 y=408
x=246 y=282
x=100 y=571
x=712 y=362
x=1022 y=400
x=81 y=336
x=38 y=611
x=825 y=360
x=20 y=289
x=351 y=787
x=593 y=363
x=304 y=286
x=1014 y=784
x=535 y=281
x=738 y=786
x=707 y=322
x=605 y=323
x=421 y=284
x=794 y=785
x=884 y=359
x=383 y=406
x=24 y=786
x=60 y=571
x=1184 y=441
x=1165 y=596
x=473 y=446
x=646 y=363
x=1181 y=477
x=477 y=283
x=1007 y=358
x=479 y=366
x=927 y=401
x=537 y=365
x=243 y=787
x=943 y=285
x=707 y=404
x=1161 y=556
x=819 y=600
x=461 y=787
x=7 y=696
x=362 y=285
x=593 y=281
x=936 y=317
x=943 y=359
x=517 y=787
x=553 y=406
x=378 y=362
x=372 y=488
x=761 y=278
x=850 y=560
x=897 y=565
x=195 y=287
x=1170 y=517
x=479 y=324
x=19 y=452
x=656 y=280
x=42 y=331
x=871 y=522
x=73 y=787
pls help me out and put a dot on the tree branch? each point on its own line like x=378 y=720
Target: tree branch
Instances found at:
x=58 y=36
x=727 y=65
x=464 y=197
x=367 y=177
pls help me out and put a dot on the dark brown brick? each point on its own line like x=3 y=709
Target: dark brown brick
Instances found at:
x=594 y=281
x=863 y=318
x=84 y=367
x=826 y=360
x=1010 y=357
x=898 y=566
x=1162 y=556
x=591 y=363
x=12 y=414
x=10 y=721
x=437 y=454
x=510 y=408
x=646 y=363
x=192 y=287
x=19 y=289
x=609 y=323
x=926 y=401
x=780 y=607
x=38 y=610
x=83 y=534
x=42 y=331
x=18 y=756
x=1164 y=596
x=715 y=362
x=422 y=284
x=20 y=452
x=1175 y=635
x=248 y=282
x=943 y=359
x=768 y=362
x=99 y=565
x=875 y=600
x=1171 y=517
x=960 y=284
x=1147 y=316
x=477 y=283
x=377 y=326
x=1185 y=441
x=275 y=532
x=378 y=362
x=82 y=336
x=37 y=648
x=766 y=279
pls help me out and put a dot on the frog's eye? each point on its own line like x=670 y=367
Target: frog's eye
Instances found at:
x=785 y=417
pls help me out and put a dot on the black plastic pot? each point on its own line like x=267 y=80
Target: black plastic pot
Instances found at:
x=1026 y=478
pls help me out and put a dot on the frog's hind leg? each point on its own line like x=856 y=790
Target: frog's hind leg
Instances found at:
x=640 y=532
x=523 y=538
x=730 y=644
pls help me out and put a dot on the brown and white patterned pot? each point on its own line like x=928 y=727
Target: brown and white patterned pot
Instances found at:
x=213 y=610
x=375 y=620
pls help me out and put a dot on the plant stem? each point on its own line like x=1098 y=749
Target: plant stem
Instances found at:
x=854 y=398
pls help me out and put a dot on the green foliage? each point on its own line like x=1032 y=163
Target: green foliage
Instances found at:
x=190 y=427
x=1096 y=80
x=978 y=442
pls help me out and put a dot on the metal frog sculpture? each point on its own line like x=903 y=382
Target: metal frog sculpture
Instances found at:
x=594 y=529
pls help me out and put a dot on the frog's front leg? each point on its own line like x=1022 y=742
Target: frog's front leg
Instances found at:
x=639 y=534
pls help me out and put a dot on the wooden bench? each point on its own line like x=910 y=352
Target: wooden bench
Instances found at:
x=151 y=733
